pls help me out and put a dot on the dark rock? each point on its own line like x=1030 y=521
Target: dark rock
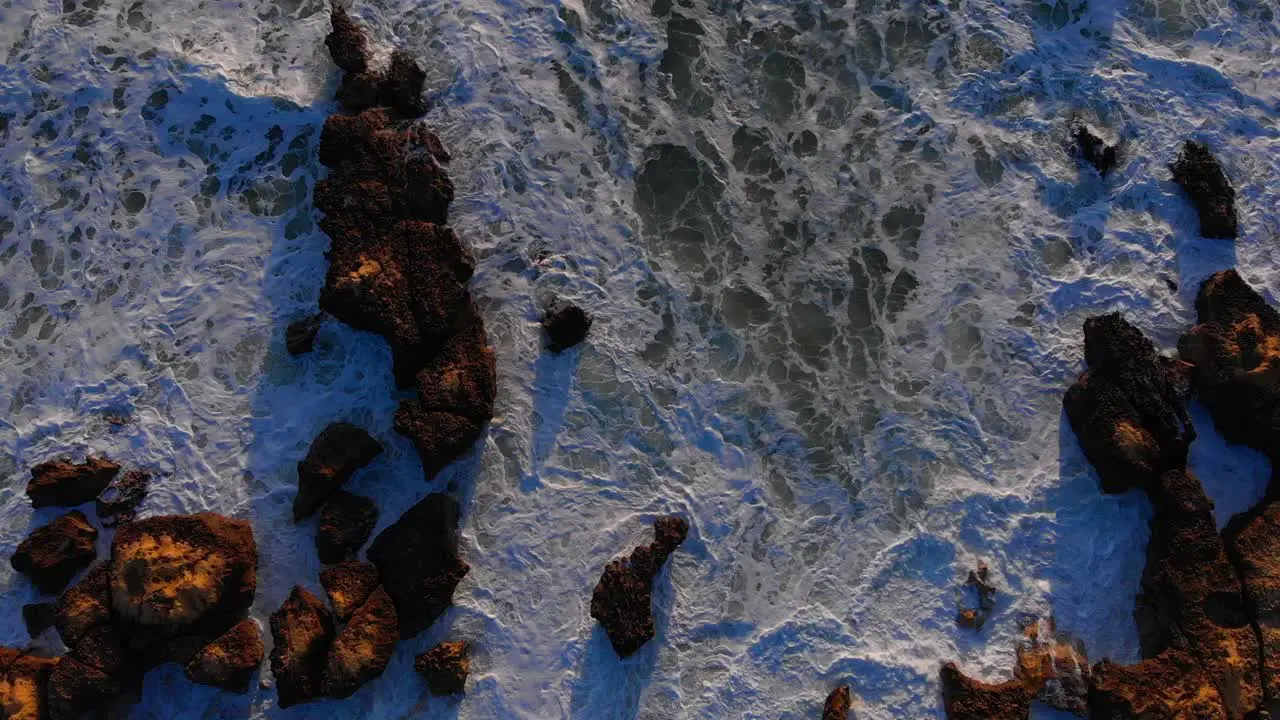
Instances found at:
x=363 y=647
x=346 y=521
x=622 y=599
x=64 y=484
x=229 y=662
x=360 y=91
x=418 y=563
x=439 y=437
x=1051 y=669
x=85 y=604
x=1171 y=685
x=302 y=631
x=300 y=336
x=445 y=667
x=837 y=705
x=975 y=617
x=1235 y=355
x=1253 y=543
x=1128 y=410
x=967 y=699
x=24 y=680
x=1201 y=177
x=566 y=327
x=119 y=502
x=348 y=586
x=335 y=455
x=402 y=86
x=53 y=554
x=38 y=617
x=93 y=675
x=1093 y=149
x=346 y=41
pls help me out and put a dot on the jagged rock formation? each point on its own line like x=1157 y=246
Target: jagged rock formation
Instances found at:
x=119 y=501
x=348 y=585
x=418 y=563
x=63 y=484
x=54 y=553
x=1093 y=149
x=346 y=521
x=230 y=661
x=445 y=667
x=978 y=582
x=1051 y=669
x=1201 y=177
x=363 y=647
x=565 y=327
x=336 y=453
x=38 y=617
x=302 y=631
x=623 y=598
x=837 y=705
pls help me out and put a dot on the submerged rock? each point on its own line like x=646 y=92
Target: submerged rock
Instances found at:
x=418 y=563
x=363 y=647
x=622 y=600
x=346 y=521
x=302 y=631
x=348 y=585
x=335 y=455
x=38 y=617
x=54 y=553
x=837 y=705
x=566 y=326
x=24 y=680
x=1093 y=149
x=1201 y=177
x=347 y=43
x=445 y=667
x=119 y=502
x=1128 y=410
x=975 y=617
x=229 y=662
x=63 y=484
x=300 y=335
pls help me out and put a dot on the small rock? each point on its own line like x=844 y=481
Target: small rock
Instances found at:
x=339 y=451
x=623 y=598
x=1201 y=177
x=53 y=554
x=1093 y=149
x=975 y=617
x=38 y=617
x=348 y=586
x=230 y=661
x=837 y=705
x=64 y=484
x=445 y=667
x=302 y=631
x=119 y=502
x=566 y=327
x=363 y=648
x=346 y=521
x=418 y=563
x=347 y=43
x=300 y=336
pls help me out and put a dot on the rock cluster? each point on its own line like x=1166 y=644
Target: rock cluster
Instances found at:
x=1201 y=177
x=623 y=598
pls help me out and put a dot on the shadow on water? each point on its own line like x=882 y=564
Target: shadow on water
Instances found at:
x=552 y=386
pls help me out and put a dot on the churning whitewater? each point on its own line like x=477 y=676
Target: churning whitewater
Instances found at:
x=838 y=256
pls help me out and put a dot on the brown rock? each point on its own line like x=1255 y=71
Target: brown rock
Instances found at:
x=1128 y=410
x=348 y=586
x=565 y=327
x=1201 y=177
x=985 y=595
x=24 y=679
x=967 y=699
x=38 y=617
x=838 y=704
x=63 y=484
x=402 y=86
x=445 y=667
x=363 y=648
x=346 y=41
x=300 y=335
x=346 y=521
x=339 y=450
x=1054 y=667
x=622 y=599
x=85 y=604
x=53 y=554
x=1171 y=685
x=230 y=661
x=93 y=675
x=418 y=563
x=302 y=631
x=119 y=502
x=1254 y=545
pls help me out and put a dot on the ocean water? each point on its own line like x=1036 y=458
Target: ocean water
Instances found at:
x=838 y=256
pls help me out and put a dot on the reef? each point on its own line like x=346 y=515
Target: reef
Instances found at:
x=61 y=483
x=565 y=327
x=623 y=599
x=346 y=522
x=445 y=667
x=1201 y=177
x=335 y=455
x=54 y=553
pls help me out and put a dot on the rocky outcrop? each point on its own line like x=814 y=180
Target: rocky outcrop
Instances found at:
x=622 y=600
x=418 y=563
x=302 y=631
x=346 y=41
x=348 y=585
x=565 y=327
x=363 y=647
x=1234 y=354
x=64 y=484
x=1093 y=149
x=1128 y=410
x=54 y=553
x=300 y=335
x=1051 y=669
x=346 y=521
x=445 y=667
x=335 y=455
x=1170 y=685
x=229 y=662
x=24 y=680
x=1201 y=177
x=837 y=705
x=974 y=614
x=1253 y=542
x=119 y=501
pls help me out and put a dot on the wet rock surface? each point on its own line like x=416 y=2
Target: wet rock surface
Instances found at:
x=1201 y=177
x=622 y=600
x=302 y=631
x=24 y=679
x=445 y=667
x=38 y=617
x=230 y=661
x=348 y=585
x=335 y=455
x=54 y=553
x=1092 y=149
x=61 y=483
x=119 y=501
x=363 y=647
x=565 y=327
x=418 y=563
x=300 y=335
x=837 y=705
x=975 y=609
x=346 y=521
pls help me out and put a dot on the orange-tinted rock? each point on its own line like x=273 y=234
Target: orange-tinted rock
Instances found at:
x=63 y=484
x=119 y=502
x=230 y=661
x=24 y=680
x=1054 y=668
x=967 y=699
x=346 y=521
x=1128 y=410
x=348 y=585
x=54 y=553
x=363 y=647
x=565 y=327
x=445 y=667
x=302 y=631
x=1201 y=177
x=837 y=705
x=336 y=453
x=1235 y=354
x=85 y=604
x=418 y=563
x=623 y=598
x=1254 y=544
x=1171 y=686
x=346 y=41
